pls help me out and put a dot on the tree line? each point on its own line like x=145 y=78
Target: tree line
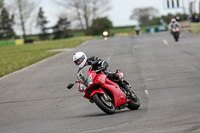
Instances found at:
x=148 y=16
x=87 y=14
x=6 y=22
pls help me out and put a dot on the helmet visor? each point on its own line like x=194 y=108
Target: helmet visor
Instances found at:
x=79 y=60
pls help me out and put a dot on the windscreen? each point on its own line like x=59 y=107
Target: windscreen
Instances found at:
x=82 y=73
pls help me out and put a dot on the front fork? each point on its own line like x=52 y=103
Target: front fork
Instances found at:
x=106 y=97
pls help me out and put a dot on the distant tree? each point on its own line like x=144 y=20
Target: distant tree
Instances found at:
x=199 y=7
x=1 y=4
x=180 y=17
x=99 y=25
x=41 y=23
x=155 y=21
x=144 y=15
x=85 y=10
x=165 y=19
x=6 y=24
x=60 y=30
x=22 y=9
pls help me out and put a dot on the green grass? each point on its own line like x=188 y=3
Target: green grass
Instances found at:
x=128 y=30
x=74 y=33
x=122 y=30
x=13 y=57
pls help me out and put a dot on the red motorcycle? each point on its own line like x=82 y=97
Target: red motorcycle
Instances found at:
x=106 y=94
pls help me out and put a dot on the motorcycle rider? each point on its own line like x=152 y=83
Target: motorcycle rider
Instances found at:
x=80 y=59
x=173 y=24
x=137 y=29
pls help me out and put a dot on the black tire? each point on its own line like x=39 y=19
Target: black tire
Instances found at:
x=134 y=104
x=176 y=37
x=109 y=109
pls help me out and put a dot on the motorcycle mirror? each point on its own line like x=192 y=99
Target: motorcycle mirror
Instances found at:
x=70 y=85
x=117 y=70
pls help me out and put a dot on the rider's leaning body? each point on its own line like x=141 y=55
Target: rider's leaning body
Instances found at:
x=81 y=60
x=173 y=24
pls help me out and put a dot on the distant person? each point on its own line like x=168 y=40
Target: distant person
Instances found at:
x=196 y=19
x=137 y=29
x=173 y=25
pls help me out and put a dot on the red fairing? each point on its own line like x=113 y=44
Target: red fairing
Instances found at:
x=104 y=83
x=97 y=91
x=176 y=30
x=96 y=79
x=119 y=96
x=120 y=76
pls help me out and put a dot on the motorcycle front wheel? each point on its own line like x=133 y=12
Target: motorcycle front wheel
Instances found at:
x=176 y=37
x=103 y=102
x=134 y=103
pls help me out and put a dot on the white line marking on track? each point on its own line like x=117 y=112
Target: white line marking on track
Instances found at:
x=85 y=42
x=149 y=79
x=146 y=92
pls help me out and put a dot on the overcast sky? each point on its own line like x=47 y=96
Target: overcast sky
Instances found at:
x=120 y=12
x=122 y=9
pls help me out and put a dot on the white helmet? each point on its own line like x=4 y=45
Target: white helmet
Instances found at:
x=79 y=59
x=173 y=20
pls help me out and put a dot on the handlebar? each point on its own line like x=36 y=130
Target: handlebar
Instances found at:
x=101 y=69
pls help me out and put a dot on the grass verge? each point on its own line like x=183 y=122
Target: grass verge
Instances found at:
x=13 y=57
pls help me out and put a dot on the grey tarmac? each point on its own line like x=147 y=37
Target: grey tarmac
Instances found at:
x=164 y=74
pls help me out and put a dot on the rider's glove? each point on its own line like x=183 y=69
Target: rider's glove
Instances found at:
x=103 y=64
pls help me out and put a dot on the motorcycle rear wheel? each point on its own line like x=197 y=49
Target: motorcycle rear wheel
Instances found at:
x=106 y=106
x=134 y=104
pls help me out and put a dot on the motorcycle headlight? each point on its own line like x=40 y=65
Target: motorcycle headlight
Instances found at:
x=122 y=75
x=105 y=33
x=90 y=80
x=82 y=87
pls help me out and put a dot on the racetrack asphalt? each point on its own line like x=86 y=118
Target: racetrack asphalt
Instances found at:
x=164 y=74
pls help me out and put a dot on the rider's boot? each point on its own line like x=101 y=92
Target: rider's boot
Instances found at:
x=115 y=77
x=125 y=86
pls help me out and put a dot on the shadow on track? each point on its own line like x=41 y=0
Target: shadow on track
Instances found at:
x=101 y=114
